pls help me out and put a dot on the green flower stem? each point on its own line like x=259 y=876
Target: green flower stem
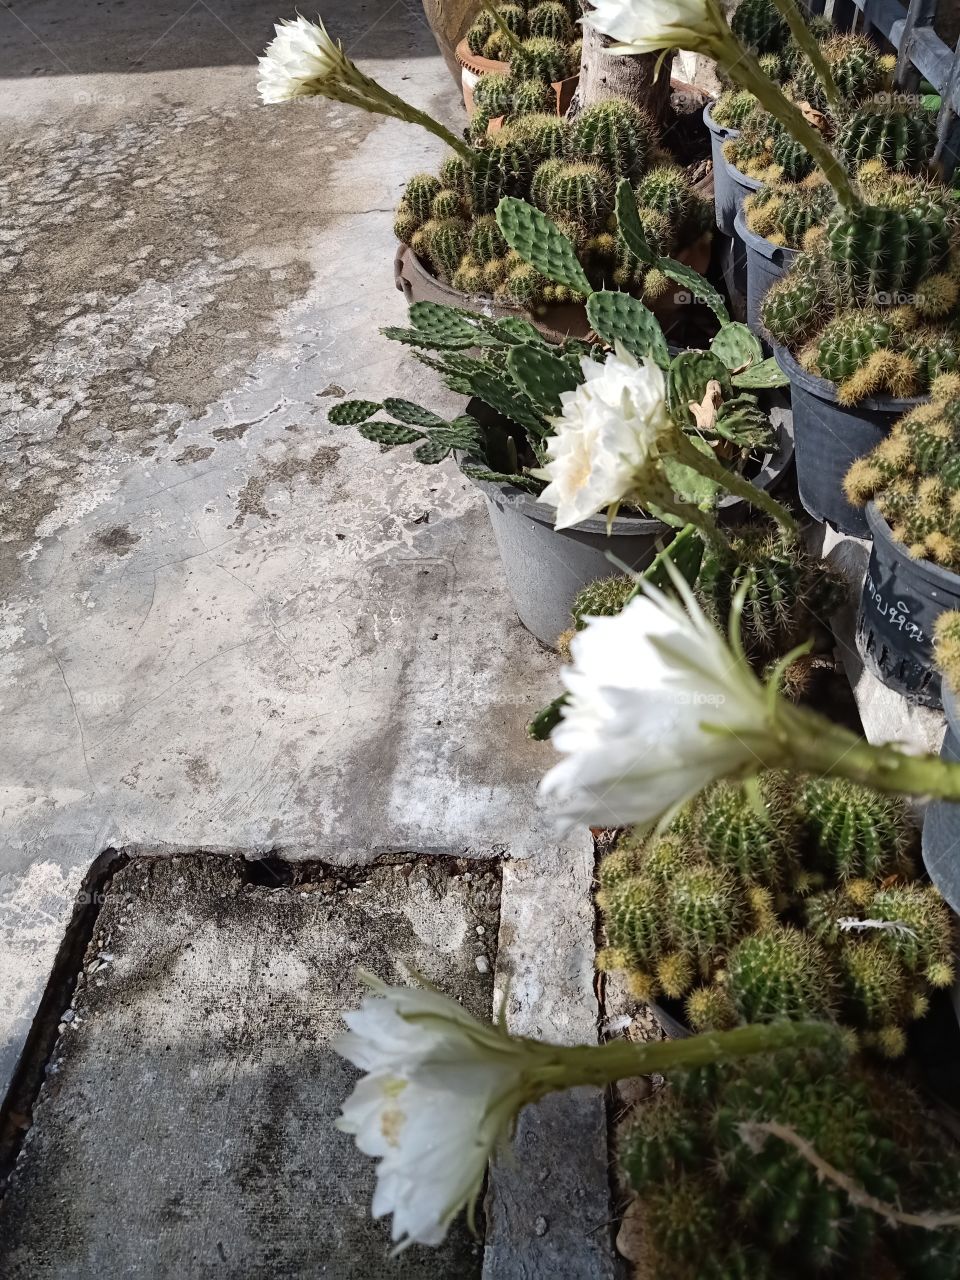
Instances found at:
x=815 y=745
x=808 y=43
x=620 y=1059
x=708 y=466
x=359 y=90
x=742 y=66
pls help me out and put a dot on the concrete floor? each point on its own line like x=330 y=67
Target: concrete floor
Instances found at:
x=225 y=625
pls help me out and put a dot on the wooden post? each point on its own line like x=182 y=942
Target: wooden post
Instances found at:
x=603 y=75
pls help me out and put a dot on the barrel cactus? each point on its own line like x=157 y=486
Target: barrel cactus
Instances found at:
x=552 y=21
x=760 y=26
x=780 y=974
x=539 y=58
x=901 y=136
x=857 y=831
x=617 y=135
x=581 y=193
x=858 y=68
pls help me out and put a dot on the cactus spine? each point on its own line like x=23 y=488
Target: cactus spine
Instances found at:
x=617 y=135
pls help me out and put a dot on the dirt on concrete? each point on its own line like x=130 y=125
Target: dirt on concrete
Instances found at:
x=186 y=1124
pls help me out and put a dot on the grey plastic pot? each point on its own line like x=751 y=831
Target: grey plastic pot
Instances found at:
x=546 y=569
x=828 y=437
x=901 y=601
x=941 y=824
x=766 y=264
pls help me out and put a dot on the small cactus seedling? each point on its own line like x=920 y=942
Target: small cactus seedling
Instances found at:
x=419 y=195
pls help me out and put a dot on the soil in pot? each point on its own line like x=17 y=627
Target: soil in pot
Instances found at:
x=828 y=437
x=901 y=601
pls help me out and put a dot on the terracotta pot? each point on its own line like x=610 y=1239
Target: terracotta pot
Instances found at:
x=473 y=67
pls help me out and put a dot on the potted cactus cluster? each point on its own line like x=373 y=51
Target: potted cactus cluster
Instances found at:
x=536 y=46
x=452 y=250
x=761 y=882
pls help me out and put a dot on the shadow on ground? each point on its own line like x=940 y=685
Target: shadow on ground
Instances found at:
x=52 y=37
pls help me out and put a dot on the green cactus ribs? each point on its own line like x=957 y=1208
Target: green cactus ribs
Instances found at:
x=791 y=1220
x=901 y=136
x=760 y=26
x=882 y=252
x=617 y=135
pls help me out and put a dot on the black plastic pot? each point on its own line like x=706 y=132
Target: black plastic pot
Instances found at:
x=766 y=264
x=729 y=189
x=941 y=824
x=902 y=599
x=671 y=1027
x=546 y=569
x=828 y=437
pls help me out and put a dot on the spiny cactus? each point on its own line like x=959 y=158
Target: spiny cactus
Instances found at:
x=540 y=183
x=791 y=1222
x=419 y=195
x=503 y=170
x=625 y=862
x=913 y=476
x=480 y=32
x=552 y=21
x=789 y=590
x=733 y=107
x=666 y=189
x=946 y=648
x=532 y=97
x=791 y=158
x=878 y=250
x=664 y=857
x=901 y=136
x=927 y=939
x=704 y=908
x=759 y=25
x=544 y=137
x=780 y=974
x=448 y=242
x=857 y=67
x=539 y=59
x=798 y=305
x=581 y=193
x=524 y=286
x=486 y=240
x=447 y=204
x=455 y=174
x=405 y=223
x=750 y=835
x=468 y=277
x=493 y=94
x=633 y=910
x=710 y=1009
x=855 y=831
x=601 y=599
x=873 y=983
x=787 y=214
x=617 y=135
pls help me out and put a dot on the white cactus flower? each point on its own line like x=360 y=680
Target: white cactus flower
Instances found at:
x=659 y=707
x=644 y=26
x=442 y=1091
x=608 y=435
x=300 y=57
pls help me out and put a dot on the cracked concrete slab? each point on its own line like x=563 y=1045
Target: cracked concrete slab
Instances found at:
x=226 y=624
x=186 y=1125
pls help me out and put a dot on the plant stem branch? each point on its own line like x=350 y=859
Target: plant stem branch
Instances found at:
x=361 y=91
x=814 y=745
x=708 y=466
x=754 y=1132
